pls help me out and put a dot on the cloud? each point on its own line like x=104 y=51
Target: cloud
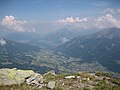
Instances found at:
x=111 y=11
x=107 y=21
x=72 y=20
x=101 y=22
x=11 y=23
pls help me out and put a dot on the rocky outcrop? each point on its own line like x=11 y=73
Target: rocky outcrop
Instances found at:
x=13 y=76
x=16 y=76
x=35 y=80
x=29 y=80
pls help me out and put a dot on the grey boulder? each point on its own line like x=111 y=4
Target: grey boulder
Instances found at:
x=51 y=85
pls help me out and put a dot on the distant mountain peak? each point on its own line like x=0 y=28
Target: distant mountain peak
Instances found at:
x=108 y=33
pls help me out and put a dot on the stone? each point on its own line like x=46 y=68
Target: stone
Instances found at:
x=52 y=72
x=99 y=78
x=69 y=77
x=24 y=73
x=9 y=77
x=92 y=74
x=16 y=76
x=88 y=79
x=63 y=84
x=7 y=82
x=84 y=78
x=78 y=76
x=41 y=85
x=35 y=80
x=51 y=85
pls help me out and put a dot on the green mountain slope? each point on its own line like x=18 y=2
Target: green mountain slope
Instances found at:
x=103 y=46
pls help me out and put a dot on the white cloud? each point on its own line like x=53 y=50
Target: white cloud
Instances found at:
x=72 y=20
x=108 y=10
x=105 y=21
x=111 y=11
x=11 y=23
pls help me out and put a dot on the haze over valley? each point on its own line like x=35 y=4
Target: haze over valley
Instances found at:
x=65 y=36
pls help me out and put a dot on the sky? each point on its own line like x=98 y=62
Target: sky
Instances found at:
x=41 y=15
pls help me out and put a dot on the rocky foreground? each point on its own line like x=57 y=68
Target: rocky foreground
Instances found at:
x=15 y=79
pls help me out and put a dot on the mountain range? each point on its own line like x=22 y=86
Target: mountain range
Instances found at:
x=19 y=55
x=51 y=39
x=72 y=51
x=103 y=46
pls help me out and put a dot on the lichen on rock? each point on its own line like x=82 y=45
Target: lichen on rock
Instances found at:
x=16 y=76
